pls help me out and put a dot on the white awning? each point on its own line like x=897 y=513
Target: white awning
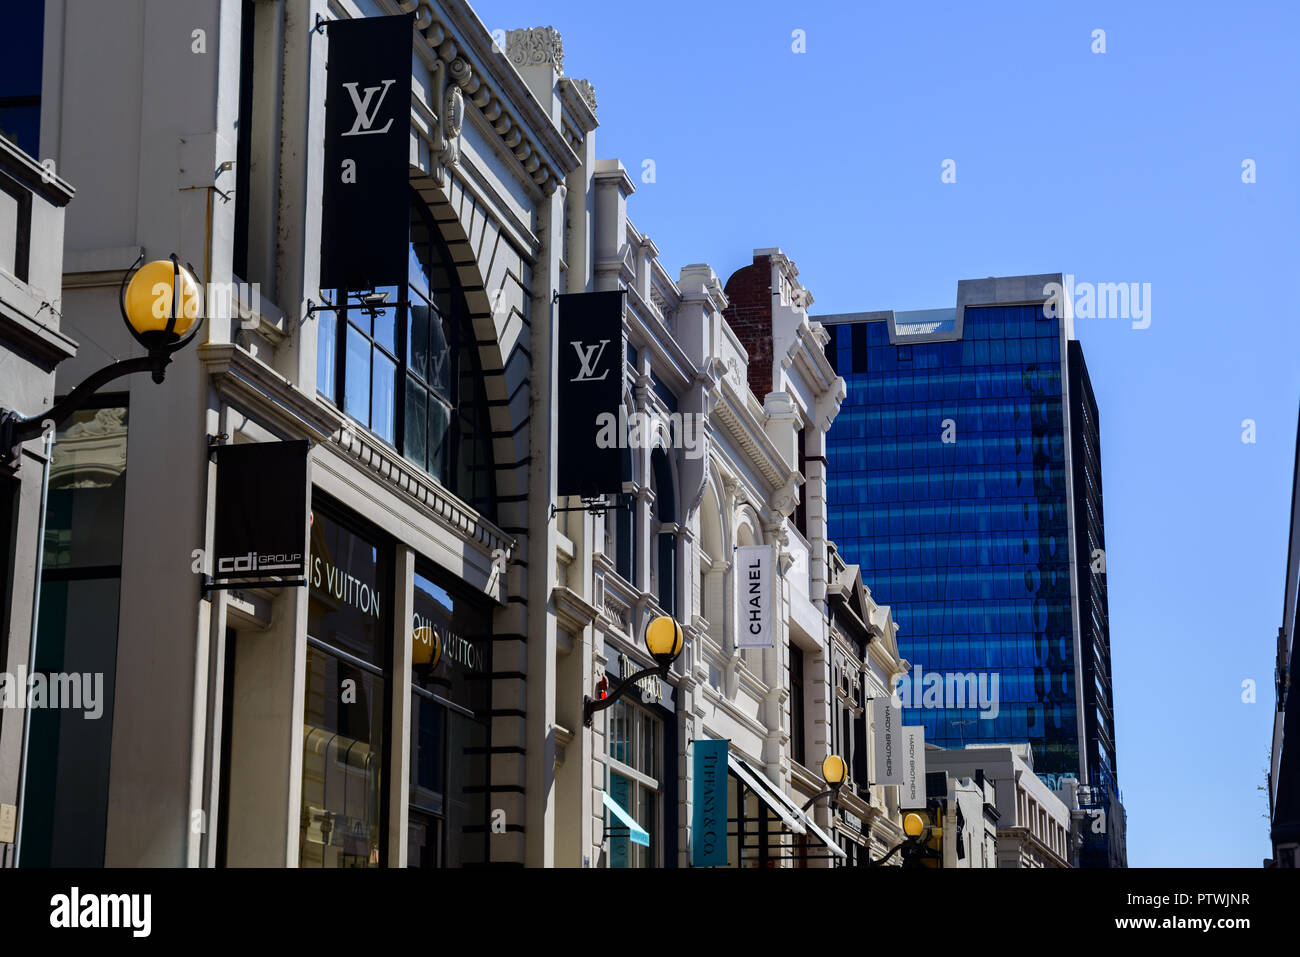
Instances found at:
x=788 y=807
x=764 y=791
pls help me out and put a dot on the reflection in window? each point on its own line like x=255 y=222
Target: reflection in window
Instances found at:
x=342 y=764
x=408 y=369
x=343 y=780
x=449 y=824
x=66 y=805
x=634 y=748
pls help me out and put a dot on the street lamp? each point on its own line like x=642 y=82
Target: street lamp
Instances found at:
x=160 y=304
x=834 y=770
x=917 y=830
x=663 y=639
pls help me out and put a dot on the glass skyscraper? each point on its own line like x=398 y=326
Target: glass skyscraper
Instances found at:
x=957 y=484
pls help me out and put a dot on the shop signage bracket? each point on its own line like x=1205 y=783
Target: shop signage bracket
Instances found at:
x=597 y=506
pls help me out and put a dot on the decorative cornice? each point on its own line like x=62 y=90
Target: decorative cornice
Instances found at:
x=46 y=343
x=753 y=440
x=572 y=611
x=261 y=390
x=587 y=92
x=488 y=80
x=535 y=46
x=41 y=180
x=410 y=483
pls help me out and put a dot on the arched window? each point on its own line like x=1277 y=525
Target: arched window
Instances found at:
x=403 y=362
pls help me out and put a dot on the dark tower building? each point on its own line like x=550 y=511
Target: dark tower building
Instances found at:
x=965 y=480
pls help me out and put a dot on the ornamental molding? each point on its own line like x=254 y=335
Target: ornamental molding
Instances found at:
x=756 y=445
x=453 y=117
x=271 y=398
x=476 y=65
x=588 y=93
x=535 y=46
x=418 y=489
x=573 y=613
x=105 y=422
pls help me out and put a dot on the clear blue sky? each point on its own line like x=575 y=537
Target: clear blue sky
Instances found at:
x=1117 y=167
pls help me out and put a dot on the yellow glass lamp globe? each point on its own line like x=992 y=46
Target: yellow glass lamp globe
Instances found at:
x=913 y=825
x=426 y=646
x=150 y=298
x=663 y=638
x=834 y=770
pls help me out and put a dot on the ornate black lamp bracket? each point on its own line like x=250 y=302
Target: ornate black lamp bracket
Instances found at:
x=590 y=705
x=161 y=345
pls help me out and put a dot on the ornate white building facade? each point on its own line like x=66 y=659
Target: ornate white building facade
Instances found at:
x=749 y=472
x=295 y=726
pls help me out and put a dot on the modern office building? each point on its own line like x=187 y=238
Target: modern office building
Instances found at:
x=965 y=481
x=1284 y=758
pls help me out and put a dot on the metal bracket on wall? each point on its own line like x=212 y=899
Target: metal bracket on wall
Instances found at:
x=210 y=585
x=596 y=506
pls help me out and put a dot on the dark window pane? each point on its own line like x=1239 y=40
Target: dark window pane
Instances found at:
x=424 y=841
x=427 y=727
x=417 y=339
x=66 y=806
x=439 y=357
x=467 y=778
x=416 y=439
x=439 y=439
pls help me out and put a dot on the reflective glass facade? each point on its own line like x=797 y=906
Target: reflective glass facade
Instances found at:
x=948 y=486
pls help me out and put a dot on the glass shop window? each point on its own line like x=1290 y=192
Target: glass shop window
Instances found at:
x=403 y=362
x=344 y=779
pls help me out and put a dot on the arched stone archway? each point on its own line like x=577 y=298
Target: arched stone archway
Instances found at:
x=494 y=277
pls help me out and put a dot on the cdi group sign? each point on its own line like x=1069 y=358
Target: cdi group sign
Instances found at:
x=260 y=530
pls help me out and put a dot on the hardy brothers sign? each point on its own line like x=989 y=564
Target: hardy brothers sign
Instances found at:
x=261 y=522
x=912 y=793
x=754 y=596
x=888 y=719
x=589 y=389
x=365 y=207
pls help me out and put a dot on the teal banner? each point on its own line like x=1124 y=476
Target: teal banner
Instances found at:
x=709 y=817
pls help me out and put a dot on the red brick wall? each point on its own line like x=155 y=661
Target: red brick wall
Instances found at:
x=750 y=316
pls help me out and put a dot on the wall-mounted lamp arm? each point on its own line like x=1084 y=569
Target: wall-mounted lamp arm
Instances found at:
x=590 y=706
x=15 y=429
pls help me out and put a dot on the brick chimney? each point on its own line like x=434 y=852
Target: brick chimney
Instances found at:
x=749 y=314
